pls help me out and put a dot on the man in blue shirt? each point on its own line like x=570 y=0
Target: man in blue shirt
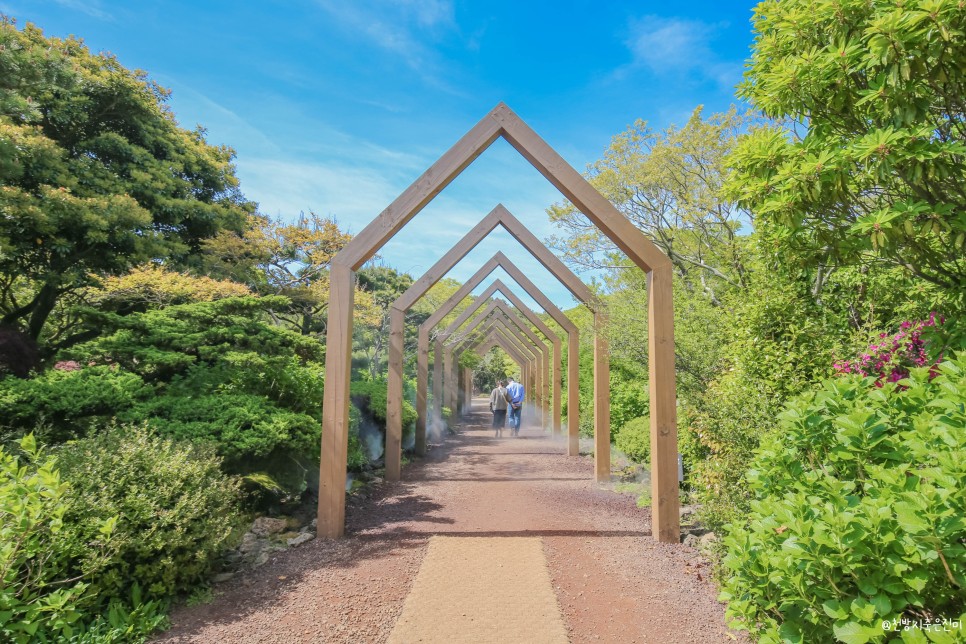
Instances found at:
x=515 y=409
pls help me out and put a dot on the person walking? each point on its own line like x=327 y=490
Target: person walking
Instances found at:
x=499 y=401
x=514 y=412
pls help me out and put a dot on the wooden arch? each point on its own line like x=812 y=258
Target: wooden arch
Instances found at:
x=573 y=337
x=524 y=334
x=501 y=122
x=537 y=361
x=533 y=318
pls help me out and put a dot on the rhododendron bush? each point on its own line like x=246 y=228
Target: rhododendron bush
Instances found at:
x=891 y=358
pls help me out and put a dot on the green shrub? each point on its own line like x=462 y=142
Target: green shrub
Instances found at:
x=175 y=507
x=67 y=403
x=859 y=513
x=42 y=590
x=634 y=439
x=371 y=397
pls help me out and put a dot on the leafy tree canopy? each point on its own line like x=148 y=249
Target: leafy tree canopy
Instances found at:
x=668 y=184
x=95 y=174
x=871 y=165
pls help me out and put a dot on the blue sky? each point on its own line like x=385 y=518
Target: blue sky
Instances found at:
x=337 y=106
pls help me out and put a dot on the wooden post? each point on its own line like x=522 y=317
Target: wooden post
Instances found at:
x=422 y=384
x=438 y=385
x=394 y=394
x=601 y=400
x=335 y=404
x=573 y=394
x=665 y=521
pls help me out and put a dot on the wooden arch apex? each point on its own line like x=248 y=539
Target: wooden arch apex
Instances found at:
x=502 y=122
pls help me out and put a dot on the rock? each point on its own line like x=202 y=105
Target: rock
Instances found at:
x=221 y=578
x=708 y=539
x=285 y=536
x=300 y=539
x=692 y=541
x=292 y=523
x=268 y=525
x=249 y=543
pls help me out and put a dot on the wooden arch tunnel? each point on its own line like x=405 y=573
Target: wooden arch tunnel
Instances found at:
x=539 y=356
x=537 y=361
x=499 y=216
x=532 y=317
x=500 y=122
x=499 y=260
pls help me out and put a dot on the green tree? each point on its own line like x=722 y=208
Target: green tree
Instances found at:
x=668 y=184
x=870 y=165
x=95 y=175
x=379 y=286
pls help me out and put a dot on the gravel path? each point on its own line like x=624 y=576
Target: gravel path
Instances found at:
x=613 y=582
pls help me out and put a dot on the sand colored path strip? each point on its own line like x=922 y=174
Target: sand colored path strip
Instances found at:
x=481 y=589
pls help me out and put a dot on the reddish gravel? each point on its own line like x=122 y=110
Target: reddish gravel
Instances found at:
x=613 y=582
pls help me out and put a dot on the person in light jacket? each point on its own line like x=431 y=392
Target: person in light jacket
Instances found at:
x=499 y=401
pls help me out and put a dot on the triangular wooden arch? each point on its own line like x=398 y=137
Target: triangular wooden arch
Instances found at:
x=499 y=260
x=502 y=122
x=451 y=354
x=499 y=286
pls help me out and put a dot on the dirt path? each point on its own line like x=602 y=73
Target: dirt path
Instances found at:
x=613 y=583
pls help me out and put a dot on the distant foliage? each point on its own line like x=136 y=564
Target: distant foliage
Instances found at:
x=634 y=439
x=858 y=514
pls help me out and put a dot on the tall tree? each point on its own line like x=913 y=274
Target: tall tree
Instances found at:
x=379 y=286
x=871 y=165
x=668 y=184
x=95 y=175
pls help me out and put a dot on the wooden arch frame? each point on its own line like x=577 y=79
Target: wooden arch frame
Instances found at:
x=523 y=334
x=499 y=216
x=536 y=360
x=501 y=122
x=499 y=260
x=533 y=318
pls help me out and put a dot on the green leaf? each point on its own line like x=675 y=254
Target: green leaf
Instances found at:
x=855 y=633
x=835 y=609
x=862 y=609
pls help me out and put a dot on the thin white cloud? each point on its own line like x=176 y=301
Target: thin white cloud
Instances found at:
x=407 y=29
x=90 y=7
x=676 y=46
